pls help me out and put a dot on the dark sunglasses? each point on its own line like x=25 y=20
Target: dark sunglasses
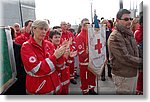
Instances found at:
x=127 y=19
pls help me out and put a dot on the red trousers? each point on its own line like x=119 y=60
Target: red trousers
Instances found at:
x=139 y=87
x=65 y=90
x=65 y=80
x=71 y=68
x=87 y=78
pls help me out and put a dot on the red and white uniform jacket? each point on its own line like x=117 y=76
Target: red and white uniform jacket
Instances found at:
x=40 y=65
x=63 y=70
x=18 y=34
x=139 y=35
x=81 y=43
x=22 y=38
x=66 y=35
x=70 y=60
x=47 y=35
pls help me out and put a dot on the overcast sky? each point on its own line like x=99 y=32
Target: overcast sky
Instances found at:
x=74 y=11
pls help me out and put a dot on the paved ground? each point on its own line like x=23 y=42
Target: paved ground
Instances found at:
x=104 y=87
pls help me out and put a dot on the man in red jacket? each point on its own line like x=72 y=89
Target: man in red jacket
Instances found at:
x=88 y=79
x=66 y=35
x=26 y=35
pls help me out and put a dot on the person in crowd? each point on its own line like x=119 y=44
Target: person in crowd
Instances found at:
x=39 y=58
x=109 y=26
x=66 y=35
x=124 y=54
x=135 y=24
x=16 y=26
x=58 y=28
x=104 y=22
x=72 y=31
x=68 y=26
x=63 y=70
x=26 y=35
x=22 y=30
x=18 y=88
x=139 y=39
x=13 y=33
x=79 y=29
x=88 y=79
x=102 y=18
x=75 y=57
x=138 y=34
x=47 y=34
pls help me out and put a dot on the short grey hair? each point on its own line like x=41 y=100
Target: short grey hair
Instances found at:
x=39 y=24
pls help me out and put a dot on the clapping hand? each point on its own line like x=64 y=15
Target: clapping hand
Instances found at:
x=73 y=53
x=61 y=50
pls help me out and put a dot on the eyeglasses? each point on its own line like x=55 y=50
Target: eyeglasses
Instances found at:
x=64 y=24
x=127 y=19
x=86 y=23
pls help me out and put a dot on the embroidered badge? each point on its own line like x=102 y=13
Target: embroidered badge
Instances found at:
x=80 y=46
x=32 y=59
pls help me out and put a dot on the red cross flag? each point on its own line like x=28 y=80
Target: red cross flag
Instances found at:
x=97 y=49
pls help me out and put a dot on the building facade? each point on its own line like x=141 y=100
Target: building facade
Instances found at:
x=16 y=11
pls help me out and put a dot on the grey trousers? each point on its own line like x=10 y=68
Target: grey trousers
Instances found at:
x=125 y=86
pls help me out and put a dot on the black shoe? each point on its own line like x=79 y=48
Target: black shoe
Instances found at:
x=73 y=81
x=92 y=92
x=109 y=75
x=87 y=93
x=103 y=78
x=76 y=76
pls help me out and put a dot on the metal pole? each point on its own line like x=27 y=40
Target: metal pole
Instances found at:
x=91 y=13
x=121 y=4
x=21 y=13
x=97 y=86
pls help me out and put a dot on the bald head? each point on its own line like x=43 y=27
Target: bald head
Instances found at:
x=16 y=27
x=16 y=24
x=63 y=25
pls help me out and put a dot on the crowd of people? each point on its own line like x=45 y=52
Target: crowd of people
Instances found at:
x=47 y=58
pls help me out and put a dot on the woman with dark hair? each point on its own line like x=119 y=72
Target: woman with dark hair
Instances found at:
x=63 y=70
x=79 y=29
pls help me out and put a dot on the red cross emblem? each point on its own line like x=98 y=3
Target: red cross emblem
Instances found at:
x=98 y=46
x=32 y=59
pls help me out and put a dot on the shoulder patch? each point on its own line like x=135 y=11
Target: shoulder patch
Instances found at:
x=80 y=46
x=32 y=59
